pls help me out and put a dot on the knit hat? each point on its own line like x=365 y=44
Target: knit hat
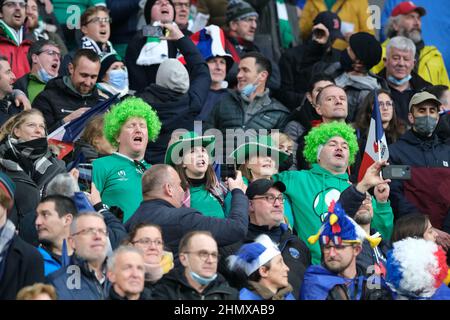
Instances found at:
x=251 y=256
x=106 y=62
x=366 y=48
x=173 y=75
x=416 y=268
x=8 y=186
x=148 y=10
x=339 y=228
x=238 y=9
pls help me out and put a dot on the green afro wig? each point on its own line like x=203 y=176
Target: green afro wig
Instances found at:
x=321 y=134
x=130 y=108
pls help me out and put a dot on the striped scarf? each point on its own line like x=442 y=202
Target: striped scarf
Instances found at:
x=13 y=35
x=287 y=36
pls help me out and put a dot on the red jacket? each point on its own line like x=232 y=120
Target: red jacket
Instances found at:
x=17 y=55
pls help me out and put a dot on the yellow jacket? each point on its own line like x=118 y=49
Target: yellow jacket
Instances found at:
x=351 y=11
x=431 y=65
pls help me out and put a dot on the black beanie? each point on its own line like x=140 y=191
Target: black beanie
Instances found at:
x=105 y=63
x=148 y=10
x=366 y=48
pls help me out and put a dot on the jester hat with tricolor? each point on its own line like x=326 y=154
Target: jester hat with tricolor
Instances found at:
x=340 y=228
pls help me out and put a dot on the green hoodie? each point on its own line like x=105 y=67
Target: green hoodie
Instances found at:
x=311 y=191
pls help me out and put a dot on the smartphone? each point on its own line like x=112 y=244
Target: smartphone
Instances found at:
x=85 y=177
x=153 y=31
x=227 y=171
x=396 y=172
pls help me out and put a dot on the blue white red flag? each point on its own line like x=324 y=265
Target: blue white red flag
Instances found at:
x=376 y=146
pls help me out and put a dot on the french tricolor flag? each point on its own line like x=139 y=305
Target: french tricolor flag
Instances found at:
x=376 y=146
x=65 y=136
x=210 y=41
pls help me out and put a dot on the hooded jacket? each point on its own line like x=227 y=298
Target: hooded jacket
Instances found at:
x=58 y=100
x=322 y=284
x=310 y=192
x=427 y=191
x=177 y=110
x=174 y=286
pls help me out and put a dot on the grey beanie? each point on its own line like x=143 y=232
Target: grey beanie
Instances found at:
x=173 y=75
x=238 y=9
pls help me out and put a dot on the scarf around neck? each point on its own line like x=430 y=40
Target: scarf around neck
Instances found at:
x=7 y=234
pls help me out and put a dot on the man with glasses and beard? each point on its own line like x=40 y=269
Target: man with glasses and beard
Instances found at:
x=197 y=278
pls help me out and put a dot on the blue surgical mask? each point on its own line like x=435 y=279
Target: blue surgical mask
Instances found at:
x=202 y=280
x=118 y=78
x=398 y=82
x=44 y=75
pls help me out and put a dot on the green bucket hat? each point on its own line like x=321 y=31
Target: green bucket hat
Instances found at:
x=262 y=145
x=188 y=140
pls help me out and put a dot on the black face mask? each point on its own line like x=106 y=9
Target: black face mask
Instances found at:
x=346 y=61
x=33 y=149
x=286 y=164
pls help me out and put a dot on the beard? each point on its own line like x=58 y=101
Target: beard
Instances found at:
x=363 y=218
x=415 y=34
x=338 y=268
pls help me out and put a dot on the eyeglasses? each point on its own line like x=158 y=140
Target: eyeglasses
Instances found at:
x=388 y=104
x=271 y=198
x=204 y=255
x=181 y=5
x=12 y=4
x=99 y=20
x=51 y=53
x=147 y=242
x=92 y=232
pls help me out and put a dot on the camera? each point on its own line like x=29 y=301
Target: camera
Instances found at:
x=396 y=172
x=227 y=171
x=153 y=31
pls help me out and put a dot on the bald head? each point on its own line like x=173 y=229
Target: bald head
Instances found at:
x=161 y=181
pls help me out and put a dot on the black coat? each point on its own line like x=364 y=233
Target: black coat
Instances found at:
x=297 y=66
x=174 y=286
x=401 y=99
x=24 y=267
x=57 y=100
x=295 y=254
x=142 y=76
x=176 y=222
x=8 y=109
x=113 y=295
x=176 y=110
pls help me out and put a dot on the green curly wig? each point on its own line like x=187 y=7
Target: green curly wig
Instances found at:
x=321 y=134
x=129 y=108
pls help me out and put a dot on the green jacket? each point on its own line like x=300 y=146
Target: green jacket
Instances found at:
x=383 y=219
x=205 y=202
x=311 y=191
